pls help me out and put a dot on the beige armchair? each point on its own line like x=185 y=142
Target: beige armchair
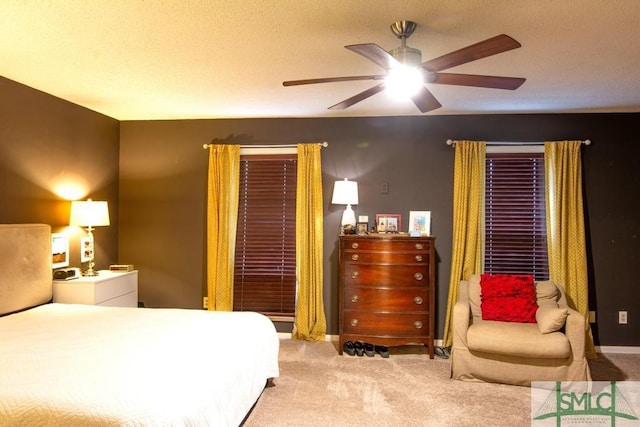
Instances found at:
x=553 y=349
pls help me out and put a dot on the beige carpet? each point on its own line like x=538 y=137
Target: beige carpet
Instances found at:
x=317 y=387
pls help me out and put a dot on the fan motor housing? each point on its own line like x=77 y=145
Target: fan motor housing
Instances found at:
x=407 y=56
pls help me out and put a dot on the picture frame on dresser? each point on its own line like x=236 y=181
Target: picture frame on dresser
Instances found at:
x=388 y=223
x=420 y=221
x=362 y=228
x=59 y=250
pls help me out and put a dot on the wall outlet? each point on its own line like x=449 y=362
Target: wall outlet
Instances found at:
x=205 y=302
x=622 y=317
x=384 y=188
x=592 y=317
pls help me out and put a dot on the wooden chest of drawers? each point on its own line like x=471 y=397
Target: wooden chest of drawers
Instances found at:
x=387 y=292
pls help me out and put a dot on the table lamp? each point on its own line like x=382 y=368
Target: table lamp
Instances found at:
x=89 y=214
x=346 y=193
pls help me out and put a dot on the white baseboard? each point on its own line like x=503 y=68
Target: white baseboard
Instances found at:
x=617 y=349
x=328 y=338
x=332 y=338
x=604 y=349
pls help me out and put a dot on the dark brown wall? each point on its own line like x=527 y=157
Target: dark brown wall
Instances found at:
x=158 y=205
x=163 y=188
x=47 y=143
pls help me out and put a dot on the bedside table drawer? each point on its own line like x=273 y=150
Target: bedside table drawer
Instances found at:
x=127 y=300
x=120 y=285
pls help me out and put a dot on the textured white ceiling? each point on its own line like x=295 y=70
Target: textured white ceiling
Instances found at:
x=178 y=59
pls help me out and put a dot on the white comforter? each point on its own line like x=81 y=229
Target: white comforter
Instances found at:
x=67 y=365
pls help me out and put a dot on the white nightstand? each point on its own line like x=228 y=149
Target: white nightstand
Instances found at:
x=114 y=289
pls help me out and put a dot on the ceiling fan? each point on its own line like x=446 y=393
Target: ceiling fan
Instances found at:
x=404 y=64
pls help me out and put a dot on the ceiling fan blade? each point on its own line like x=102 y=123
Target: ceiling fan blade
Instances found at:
x=374 y=53
x=331 y=80
x=483 y=49
x=494 y=82
x=357 y=98
x=425 y=101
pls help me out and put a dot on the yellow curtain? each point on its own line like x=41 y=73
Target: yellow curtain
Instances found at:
x=467 y=252
x=565 y=227
x=310 y=322
x=222 y=220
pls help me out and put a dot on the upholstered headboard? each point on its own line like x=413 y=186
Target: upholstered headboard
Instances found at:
x=25 y=266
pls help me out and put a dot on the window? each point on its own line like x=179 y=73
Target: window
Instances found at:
x=515 y=217
x=265 y=258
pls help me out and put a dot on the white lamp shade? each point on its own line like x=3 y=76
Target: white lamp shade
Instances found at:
x=89 y=213
x=345 y=193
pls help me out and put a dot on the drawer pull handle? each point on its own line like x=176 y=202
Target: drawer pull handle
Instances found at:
x=355 y=298
x=418 y=300
x=418 y=258
x=355 y=257
x=354 y=245
x=417 y=324
x=354 y=322
x=418 y=276
x=355 y=275
x=419 y=246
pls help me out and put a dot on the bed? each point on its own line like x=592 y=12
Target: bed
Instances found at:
x=67 y=364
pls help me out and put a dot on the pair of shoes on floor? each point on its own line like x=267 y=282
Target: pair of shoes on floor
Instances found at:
x=359 y=345
x=443 y=352
x=368 y=349
x=361 y=348
x=382 y=350
x=349 y=348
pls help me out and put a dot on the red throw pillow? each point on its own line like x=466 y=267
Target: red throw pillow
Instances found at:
x=508 y=298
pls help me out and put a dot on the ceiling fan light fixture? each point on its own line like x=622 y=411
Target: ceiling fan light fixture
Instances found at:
x=403 y=81
x=407 y=56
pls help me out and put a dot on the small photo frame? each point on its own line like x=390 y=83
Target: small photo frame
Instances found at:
x=388 y=223
x=59 y=250
x=362 y=228
x=86 y=249
x=420 y=221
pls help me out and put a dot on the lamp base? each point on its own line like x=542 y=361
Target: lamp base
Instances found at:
x=348 y=217
x=90 y=273
x=347 y=229
x=90 y=247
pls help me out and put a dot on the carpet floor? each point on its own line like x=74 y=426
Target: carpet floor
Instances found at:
x=317 y=387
